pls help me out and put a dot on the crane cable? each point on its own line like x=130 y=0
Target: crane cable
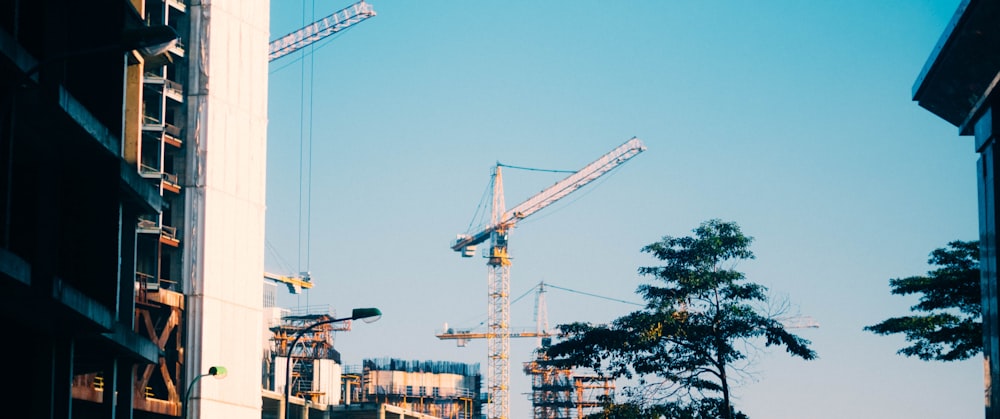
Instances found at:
x=594 y=295
x=535 y=169
x=478 y=218
x=549 y=284
x=305 y=121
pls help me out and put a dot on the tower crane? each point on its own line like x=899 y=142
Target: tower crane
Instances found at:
x=336 y=22
x=329 y=25
x=502 y=221
x=462 y=336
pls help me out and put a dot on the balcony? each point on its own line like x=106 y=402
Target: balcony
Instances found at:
x=147 y=226
x=149 y=282
x=151 y=77
x=151 y=123
x=172 y=135
x=169 y=133
x=168 y=234
x=177 y=50
x=149 y=172
x=170 y=183
x=173 y=90
x=146 y=282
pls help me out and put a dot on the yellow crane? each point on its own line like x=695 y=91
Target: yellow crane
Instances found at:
x=462 y=336
x=502 y=221
x=295 y=283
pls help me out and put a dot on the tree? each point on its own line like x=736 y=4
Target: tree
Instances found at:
x=952 y=327
x=685 y=345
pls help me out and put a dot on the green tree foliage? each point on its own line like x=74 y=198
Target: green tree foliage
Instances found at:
x=700 y=314
x=697 y=409
x=950 y=327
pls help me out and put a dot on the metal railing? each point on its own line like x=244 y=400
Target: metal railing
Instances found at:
x=150 y=120
x=172 y=130
x=169 y=232
x=443 y=393
x=170 y=178
x=170 y=86
x=147 y=170
x=147 y=224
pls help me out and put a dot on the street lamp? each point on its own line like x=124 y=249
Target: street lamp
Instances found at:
x=368 y=315
x=218 y=372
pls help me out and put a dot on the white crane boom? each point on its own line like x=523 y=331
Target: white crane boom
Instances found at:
x=336 y=22
x=577 y=180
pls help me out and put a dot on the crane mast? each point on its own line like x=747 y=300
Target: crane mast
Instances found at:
x=336 y=22
x=498 y=261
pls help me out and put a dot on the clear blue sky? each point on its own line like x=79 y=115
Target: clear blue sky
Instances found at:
x=792 y=118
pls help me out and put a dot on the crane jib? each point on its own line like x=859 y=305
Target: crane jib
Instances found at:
x=577 y=180
x=336 y=22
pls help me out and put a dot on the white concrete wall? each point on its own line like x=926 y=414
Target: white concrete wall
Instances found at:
x=327 y=378
x=224 y=228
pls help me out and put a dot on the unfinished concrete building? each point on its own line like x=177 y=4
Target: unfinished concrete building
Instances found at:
x=312 y=366
x=301 y=353
x=436 y=388
x=563 y=393
x=132 y=205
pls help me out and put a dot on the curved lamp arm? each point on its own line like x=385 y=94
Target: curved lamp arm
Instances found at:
x=368 y=315
x=216 y=371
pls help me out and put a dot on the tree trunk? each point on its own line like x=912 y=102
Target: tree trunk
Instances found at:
x=727 y=410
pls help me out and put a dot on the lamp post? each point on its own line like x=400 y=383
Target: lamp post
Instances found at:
x=218 y=372
x=368 y=315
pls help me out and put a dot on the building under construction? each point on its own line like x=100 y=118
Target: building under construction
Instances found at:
x=562 y=393
x=441 y=389
x=315 y=373
x=132 y=205
x=300 y=349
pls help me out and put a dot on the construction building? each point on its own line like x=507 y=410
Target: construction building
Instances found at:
x=440 y=389
x=301 y=353
x=132 y=193
x=564 y=393
x=306 y=358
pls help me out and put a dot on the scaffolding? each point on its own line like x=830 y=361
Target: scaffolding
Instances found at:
x=562 y=393
x=448 y=390
x=315 y=343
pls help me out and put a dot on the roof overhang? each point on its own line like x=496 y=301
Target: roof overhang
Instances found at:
x=962 y=71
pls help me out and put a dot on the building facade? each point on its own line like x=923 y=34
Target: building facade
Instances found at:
x=435 y=388
x=959 y=84
x=132 y=192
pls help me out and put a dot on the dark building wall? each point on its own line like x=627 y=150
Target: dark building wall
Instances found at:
x=68 y=206
x=958 y=84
